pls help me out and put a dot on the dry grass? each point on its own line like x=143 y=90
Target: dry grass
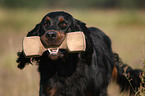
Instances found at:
x=125 y=28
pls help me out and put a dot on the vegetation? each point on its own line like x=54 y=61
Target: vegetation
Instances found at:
x=141 y=89
x=125 y=28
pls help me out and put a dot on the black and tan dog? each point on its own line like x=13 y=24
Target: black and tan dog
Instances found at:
x=85 y=73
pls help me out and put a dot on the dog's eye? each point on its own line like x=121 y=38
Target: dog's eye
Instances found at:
x=47 y=24
x=62 y=25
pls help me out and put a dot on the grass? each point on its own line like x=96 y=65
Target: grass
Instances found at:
x=125 y=28
x=141 y=88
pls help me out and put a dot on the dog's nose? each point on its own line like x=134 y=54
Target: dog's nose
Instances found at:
x=51 y=35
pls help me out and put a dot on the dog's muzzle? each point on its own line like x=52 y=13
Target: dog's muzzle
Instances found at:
x=51 y=35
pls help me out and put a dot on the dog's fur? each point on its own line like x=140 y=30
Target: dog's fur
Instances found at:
x=77 y=74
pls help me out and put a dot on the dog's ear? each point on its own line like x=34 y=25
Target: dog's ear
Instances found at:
x=22 y=60
x=79 y=25
x=35 y=31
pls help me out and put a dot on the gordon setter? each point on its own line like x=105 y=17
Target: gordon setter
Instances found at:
x=85 y=73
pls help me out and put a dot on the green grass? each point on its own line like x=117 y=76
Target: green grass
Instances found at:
x=125 y=28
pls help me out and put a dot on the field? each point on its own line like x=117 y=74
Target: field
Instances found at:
x=126 y=28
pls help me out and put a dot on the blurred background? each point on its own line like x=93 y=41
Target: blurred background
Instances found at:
x=122 y=20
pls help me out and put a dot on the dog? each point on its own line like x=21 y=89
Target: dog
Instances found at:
x=85 y=73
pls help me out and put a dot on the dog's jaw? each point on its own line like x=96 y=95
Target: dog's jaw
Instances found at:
x=57 y=54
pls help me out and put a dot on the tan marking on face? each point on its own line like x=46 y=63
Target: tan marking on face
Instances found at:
x=61 y=19
x=47 y=18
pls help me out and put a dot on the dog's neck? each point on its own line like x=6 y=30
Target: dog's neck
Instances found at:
x=63 y=67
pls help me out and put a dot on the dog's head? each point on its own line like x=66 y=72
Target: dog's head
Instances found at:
x=53 y=28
